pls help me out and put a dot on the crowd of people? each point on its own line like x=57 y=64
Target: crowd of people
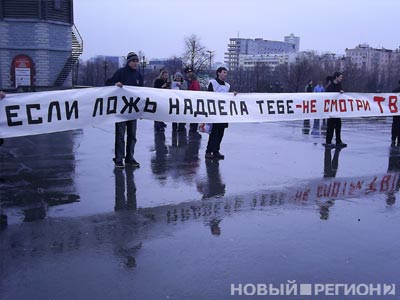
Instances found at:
x=130 y=75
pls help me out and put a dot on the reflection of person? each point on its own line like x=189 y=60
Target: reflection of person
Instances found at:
x=217 y=132
x=396 y=124
x=180 y=159
x=159 y=161
x=394 y=166
x=128 y=75
x=330 y=169
x=3 y=220
x=35 y=213
x=306 y=127
x=214 y=227
x=213 y=187
x=335 y=124
x=125 y=201
x=331 y=165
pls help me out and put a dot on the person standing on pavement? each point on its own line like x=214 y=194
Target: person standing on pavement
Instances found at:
x=178 y=83
x=217 y=132
x=396 y=124
x=128 y=75
x=161 y=82
x=335 y=124
x=194 y=85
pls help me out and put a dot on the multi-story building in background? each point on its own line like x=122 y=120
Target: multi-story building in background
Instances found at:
x=238 y=47
x=39 y=44
x=248 y=61
x=294 y=40
x=365 y=57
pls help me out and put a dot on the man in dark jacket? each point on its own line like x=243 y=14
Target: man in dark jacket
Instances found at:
x=309 y=87
x=335 y=124
x=396 y=124
x=128 y=75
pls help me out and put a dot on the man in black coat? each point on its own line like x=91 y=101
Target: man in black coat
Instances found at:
x=128 y=75
x=335 y=124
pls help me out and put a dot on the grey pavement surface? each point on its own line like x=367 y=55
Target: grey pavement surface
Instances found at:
x=278 y=208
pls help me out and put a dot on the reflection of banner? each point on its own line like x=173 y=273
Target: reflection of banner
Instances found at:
x=35 y=113
x=314 y=192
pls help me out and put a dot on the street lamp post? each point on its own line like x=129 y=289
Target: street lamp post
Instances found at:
x=143 y=66
x=105 y=71
x=210 y=53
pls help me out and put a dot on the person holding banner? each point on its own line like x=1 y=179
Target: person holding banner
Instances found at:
x=128 y=75
x=396 y=124
x=217 y=132
x=194 y=85
x=335 y=124
x=178 y=83
x=161 y=82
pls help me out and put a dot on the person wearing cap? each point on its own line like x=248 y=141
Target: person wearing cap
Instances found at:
x=193 y=86
x=217 y=132
x=128 y=75
x=178 y=83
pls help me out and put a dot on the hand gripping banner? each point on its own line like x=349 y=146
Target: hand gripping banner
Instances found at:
x=45 y=112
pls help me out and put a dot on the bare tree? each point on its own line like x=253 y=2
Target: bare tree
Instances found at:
x=195 y=54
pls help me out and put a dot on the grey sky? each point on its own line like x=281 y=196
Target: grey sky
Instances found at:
x=158 y=27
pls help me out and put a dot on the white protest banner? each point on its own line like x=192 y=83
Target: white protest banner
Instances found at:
x=44 y=112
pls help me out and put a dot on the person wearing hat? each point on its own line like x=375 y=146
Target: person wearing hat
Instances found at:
x=193 y=86
x=128 y=75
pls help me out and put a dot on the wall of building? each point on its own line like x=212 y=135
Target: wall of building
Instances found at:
x=47 y=43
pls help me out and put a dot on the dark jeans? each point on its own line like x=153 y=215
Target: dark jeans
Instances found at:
x=178 y=126
x=396 y=129
x=215 y=138
x=193 y=127
x=334 y=124
x=159 y=126
x=120 y=128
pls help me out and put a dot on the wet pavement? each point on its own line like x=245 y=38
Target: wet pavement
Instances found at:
x=279 y=208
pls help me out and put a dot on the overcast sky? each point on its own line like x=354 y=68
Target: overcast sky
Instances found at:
x=158 y=27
